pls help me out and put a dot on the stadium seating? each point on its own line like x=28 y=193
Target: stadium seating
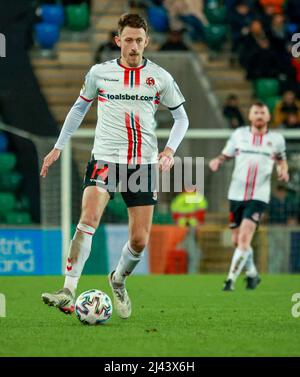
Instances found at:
x=271 y=102
x=211 y=4
x=158 y=19
x=7 y=202
x=266 y=88
x=215 y=36
x=78 y=17
x=17 y=218
x=22 y=204
x=3 y=142
x=292 y=28
x=117 y=208
x=46 y=35
x=10 y=181
x=53 y=14
x=216 y=15
x=12 y=211
x=7 y=161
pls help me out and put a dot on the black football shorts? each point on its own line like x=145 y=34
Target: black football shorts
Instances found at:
x=137 y=183
x=249 y=209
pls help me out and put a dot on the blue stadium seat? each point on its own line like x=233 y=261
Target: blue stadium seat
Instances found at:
x=162 y=218
x=3 y=142
x=292 y=28
x=158 y=19
x=46 y=34
x=53 y=14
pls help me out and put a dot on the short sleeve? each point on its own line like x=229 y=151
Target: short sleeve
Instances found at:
x=171 y=95
x=230 y=147
x=89 y=90
x=280 y=148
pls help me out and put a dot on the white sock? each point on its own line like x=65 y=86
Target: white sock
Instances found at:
x=79 y=252
x=128 y=260
x=251 y=270
x=71 y=283
x=238 y=262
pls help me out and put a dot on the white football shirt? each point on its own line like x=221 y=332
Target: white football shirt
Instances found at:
x=254 y=160
x=127 y=101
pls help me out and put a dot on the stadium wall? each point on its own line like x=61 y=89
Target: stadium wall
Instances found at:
x=37 y=251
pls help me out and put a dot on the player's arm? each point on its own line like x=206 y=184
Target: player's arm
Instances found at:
x=72 y=122
x=216 y=162
x=171 y=97
x=281 y=162
x=227 y=153
x=180 y=126
x=282 y=170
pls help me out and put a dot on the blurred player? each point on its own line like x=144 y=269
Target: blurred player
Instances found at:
x=128 y=91
x=255 y=150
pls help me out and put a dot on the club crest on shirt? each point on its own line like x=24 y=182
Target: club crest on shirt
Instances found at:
x=150 y=81
x=269 y=143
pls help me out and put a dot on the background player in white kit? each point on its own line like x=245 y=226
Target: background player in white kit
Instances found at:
x=255 y=149
x=128 y=91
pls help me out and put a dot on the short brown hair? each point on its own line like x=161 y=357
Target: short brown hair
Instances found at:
x=259 y=104
x=132 y=20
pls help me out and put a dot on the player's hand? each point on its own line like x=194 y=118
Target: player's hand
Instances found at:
x=283 y=175
x=214 y=164
x=166 y=159
x=49 y=160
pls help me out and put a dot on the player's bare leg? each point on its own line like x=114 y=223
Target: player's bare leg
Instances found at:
x=242 y=237
x=94 y=202
x=140 y=220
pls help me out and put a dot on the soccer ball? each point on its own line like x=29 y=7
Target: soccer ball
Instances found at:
x=93 y=307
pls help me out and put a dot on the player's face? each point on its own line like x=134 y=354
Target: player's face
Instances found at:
x=259 y=116
x=132 y=42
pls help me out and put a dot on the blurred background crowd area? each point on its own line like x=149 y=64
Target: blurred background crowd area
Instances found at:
x=243 y=49
x=255 y=35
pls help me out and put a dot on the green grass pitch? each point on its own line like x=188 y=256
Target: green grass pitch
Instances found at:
x=173 y=315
